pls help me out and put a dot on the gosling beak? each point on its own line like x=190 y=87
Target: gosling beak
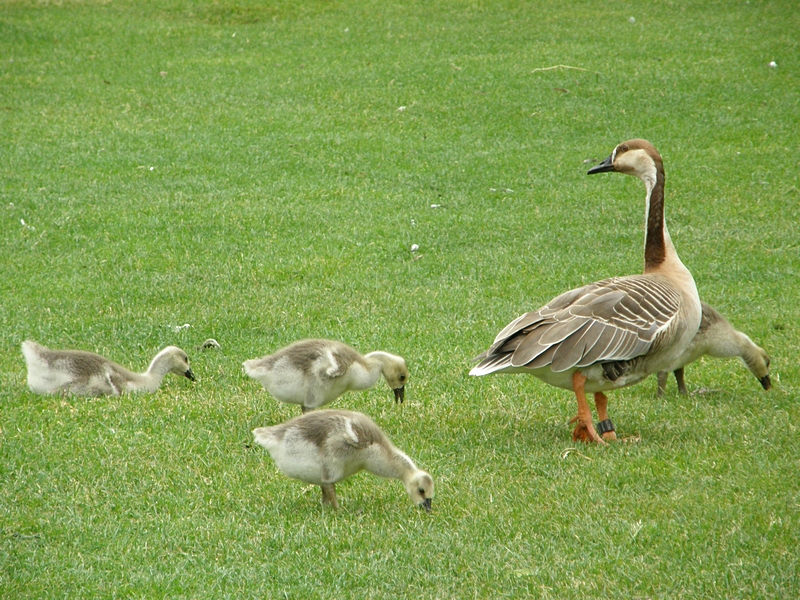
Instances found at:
x=399 y=394
x=426 y=504
x=765 y=382
x=189 y=375
x=604 y=167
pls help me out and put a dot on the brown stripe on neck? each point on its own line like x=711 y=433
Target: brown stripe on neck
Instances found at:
x=655 y=246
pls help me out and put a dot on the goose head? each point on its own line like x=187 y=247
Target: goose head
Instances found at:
x=634 y=157
x=395 y=372
x=178 y=362
x=758 y=363
x=420 y=489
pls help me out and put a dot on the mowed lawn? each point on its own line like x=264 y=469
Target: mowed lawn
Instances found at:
x=259 y=171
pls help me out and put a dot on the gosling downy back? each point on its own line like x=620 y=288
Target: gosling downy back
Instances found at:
x=88 y=374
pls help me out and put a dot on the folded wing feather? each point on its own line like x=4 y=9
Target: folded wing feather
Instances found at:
x=613 y=319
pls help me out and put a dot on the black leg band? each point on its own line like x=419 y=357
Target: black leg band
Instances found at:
x=604 y=427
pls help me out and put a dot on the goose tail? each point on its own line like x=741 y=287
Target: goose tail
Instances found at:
x=263 y=437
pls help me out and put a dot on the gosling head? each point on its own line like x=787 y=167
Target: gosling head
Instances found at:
x=634 y=157
x=178 y=362
x=758 y=363
x=420 y=489
x=395 y=372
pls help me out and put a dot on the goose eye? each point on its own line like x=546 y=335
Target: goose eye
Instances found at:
x=421 y=492
x=625 y=148
x=402 y=377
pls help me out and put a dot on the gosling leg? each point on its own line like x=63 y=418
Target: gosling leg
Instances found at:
x=329 y=495
x=662 y=383
x=681 y=383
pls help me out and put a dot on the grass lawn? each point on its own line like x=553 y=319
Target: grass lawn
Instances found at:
x=260 y=171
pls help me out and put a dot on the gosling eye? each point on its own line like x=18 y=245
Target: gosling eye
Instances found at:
x=421 y=492
x=402 y=377
x=767 y=361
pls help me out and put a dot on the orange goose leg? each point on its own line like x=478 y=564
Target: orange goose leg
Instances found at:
x=601 y=402
x=584 y=430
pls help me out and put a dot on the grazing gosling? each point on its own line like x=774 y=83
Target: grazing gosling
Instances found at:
x=89 y=374
x=718 y=338
x=313 y=373
x=325 y=447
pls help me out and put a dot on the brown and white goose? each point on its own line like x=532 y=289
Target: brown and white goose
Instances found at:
x=324 y=447
x=719 y=339
x=615 y=332
x=88 y=374
x=313 y=372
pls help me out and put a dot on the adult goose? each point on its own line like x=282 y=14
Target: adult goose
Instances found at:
x=324 y=447
x=719 y=339
x=88 y=374
x=615 y=332
x=313 y=372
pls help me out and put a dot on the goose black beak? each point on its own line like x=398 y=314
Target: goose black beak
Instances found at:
x=426 y=505
x=399 y=394
x=765 y=382
x=604 y=167
x=189 y=375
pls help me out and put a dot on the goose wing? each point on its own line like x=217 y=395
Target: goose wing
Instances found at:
x=333 y=359
x=115 y=378
x=358 y=436
x=614 y=319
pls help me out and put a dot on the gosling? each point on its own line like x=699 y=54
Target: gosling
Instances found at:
x=718 y=338
x=325 y=447
x=88 y=374
x=313 y=373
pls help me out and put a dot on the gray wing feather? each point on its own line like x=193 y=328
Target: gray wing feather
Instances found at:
x=531 y=318
x=568 y=354
x=563 y=330
x=529 y=346
x=606 y=348
x=544 y=358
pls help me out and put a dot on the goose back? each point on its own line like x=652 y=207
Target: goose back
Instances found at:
x=324 y=446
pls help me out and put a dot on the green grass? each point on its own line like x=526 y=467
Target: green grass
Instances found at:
x=245 y=167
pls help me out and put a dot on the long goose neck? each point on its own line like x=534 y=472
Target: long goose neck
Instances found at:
x=374 y=363
x=752 y=356
x=659 y=253
x=151 y=379
x=731 y=343
x=394 y=465
x=657 y=240
x=364 y=372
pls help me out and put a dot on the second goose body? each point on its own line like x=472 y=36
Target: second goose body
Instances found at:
x=314 y=372
x=718 y=338
x=615 y=332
